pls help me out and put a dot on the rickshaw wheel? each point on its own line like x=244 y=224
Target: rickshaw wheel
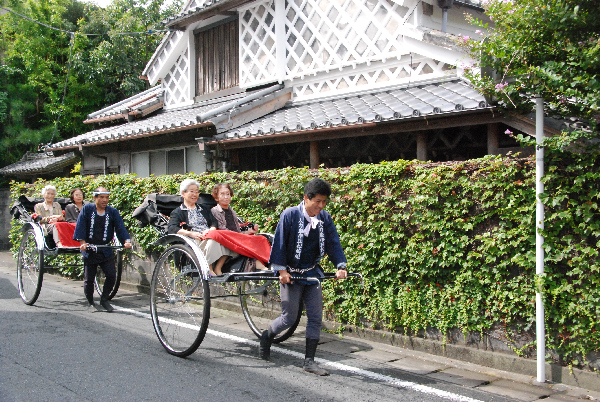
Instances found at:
x=100 y=277
x=261 y=304
x=179 y=301
x=30 y=268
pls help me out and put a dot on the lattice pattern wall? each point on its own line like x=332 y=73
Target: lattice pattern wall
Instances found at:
x=320 y=35
x=382 y=74
x=328 y=34
x=176 y=82
x=164 y=54
x=257 y=44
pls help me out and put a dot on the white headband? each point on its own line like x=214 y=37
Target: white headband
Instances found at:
x=97 y=193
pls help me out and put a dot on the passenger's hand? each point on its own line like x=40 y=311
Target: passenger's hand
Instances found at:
x=253 y=230
x=341 y=274
x=202 y=235
x=190 y=233
x=285 y=277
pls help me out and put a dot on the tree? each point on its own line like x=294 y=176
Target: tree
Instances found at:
x=98 y=70
x=116 y=60
x=549 y=48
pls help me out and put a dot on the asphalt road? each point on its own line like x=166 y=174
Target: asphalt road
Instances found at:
x=56 y=350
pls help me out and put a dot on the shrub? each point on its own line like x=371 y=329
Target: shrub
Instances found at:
x=441 y=245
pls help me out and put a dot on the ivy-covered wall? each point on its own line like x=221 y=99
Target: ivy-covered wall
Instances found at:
x=442 y=246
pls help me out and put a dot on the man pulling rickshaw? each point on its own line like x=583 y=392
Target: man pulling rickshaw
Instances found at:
x=304 y=234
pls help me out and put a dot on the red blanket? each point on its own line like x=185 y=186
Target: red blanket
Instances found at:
x=65 y=234
x=249 y=245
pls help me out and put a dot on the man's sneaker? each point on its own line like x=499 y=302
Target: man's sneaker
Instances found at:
x=106 y=305
x=94 y=307
x=311 y=367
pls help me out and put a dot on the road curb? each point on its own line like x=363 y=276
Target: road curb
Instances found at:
x=500 y=361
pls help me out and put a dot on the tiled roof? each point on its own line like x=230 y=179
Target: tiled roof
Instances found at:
x=136 y=104
x=159 y=122
x=33 y=163
x=191 y=11
x=472 y=3
x=209 y=112
x=427 y=100
x=404 y=103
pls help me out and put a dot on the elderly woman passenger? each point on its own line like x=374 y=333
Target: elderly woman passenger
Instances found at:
x=226 y=217
x=50 y=211
x=72 y=210
x=192 y=220
x=228 y=220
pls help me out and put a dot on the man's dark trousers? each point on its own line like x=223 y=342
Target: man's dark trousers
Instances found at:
x=90 y=268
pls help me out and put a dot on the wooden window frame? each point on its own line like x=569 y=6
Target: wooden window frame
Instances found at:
x=217 y=66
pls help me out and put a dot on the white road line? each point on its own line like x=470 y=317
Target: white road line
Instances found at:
x=338 y=366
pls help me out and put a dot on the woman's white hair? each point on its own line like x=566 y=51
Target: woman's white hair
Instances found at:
x=183 y=187
x=48 y=187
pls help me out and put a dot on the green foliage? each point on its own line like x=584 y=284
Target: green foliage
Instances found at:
x=76 y=168
x=545 y=47
x=104 y=68
x=444 y=246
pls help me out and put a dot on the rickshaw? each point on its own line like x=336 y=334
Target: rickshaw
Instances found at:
x=181 y=285
x=35 y=249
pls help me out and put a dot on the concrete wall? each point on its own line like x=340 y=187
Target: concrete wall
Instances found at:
x=5 y=218
x=91 y=162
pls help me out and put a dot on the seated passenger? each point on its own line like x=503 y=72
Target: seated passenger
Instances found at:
x=72 y=210
x=225 y=215
x=50 y=211
x=192 y=220
x=228 y=219
x=66 y=229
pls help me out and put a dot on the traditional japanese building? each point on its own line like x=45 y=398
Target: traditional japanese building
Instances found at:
x=255 y=85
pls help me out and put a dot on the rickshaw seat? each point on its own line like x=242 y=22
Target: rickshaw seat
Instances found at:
x=155 y=204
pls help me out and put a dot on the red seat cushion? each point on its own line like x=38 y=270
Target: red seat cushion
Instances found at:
x=65 y=234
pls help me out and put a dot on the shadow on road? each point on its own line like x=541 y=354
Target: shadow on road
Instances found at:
x=8 y=290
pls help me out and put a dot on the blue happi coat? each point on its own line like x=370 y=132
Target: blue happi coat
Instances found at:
x=291 y=249
x=99 y=230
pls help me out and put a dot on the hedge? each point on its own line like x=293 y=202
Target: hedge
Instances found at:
x=442 y=246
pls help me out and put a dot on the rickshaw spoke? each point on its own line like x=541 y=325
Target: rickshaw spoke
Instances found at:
x=100 y=277
x=29 y=268
x=180 y=303
x=261 y=304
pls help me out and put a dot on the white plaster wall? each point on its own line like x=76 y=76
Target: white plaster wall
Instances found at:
x=124 y=163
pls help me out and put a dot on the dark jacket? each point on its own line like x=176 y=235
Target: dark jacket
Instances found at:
x=181 y=215
x=219 y=215
x=287 y=246
x=100 y=235
x=72 y=212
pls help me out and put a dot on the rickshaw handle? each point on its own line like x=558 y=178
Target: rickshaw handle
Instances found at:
x=94 y=247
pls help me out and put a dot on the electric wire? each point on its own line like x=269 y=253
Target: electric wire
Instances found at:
x=148 y=32
x=72 y=41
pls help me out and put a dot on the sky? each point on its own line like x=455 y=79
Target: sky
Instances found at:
x=101 y=3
